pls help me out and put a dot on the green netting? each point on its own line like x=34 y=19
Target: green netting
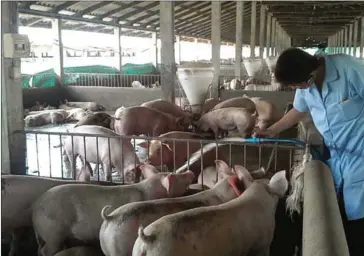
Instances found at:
x=139 y=69
x=48 y=77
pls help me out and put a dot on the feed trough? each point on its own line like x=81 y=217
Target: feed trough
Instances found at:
x=254 y=67
x=271 y=63
x=195 y=79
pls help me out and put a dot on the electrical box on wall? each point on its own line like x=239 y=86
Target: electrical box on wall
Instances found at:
x=16 y=46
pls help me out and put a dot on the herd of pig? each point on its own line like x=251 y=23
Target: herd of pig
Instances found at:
x=163 y=120
x=154 y=217
x=234 y=215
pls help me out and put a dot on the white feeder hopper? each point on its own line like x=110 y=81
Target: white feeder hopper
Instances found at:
x=271 y=63
x=254 y=67
x=195 y=79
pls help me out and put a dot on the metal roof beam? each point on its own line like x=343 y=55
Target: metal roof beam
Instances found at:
x=207 y=20
x=27 y=4
x=306 y=3
x=136 y=11
x=63 y=6
x=80 y=19
x=122 y=7
x=206 y=14
x=185 y=12
x=92 y=8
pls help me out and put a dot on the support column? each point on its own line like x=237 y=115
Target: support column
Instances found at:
x=58 y=62
x=154 y=49
x=262 y=30
x=215 y=47
x=12 y=145
x=355 y=39
x=269 y=41
x=178 y=49
x=196 y=49
x=239 y=37
x=362 y=38
x=342 y=39
x=346 y=37
x=118 y=48
x=253 y=28
x=336 y=43
x=350 y=41
x=273 y=37
x=168 y=68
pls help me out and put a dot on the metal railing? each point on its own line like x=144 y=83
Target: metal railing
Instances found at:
x=112 y=80
x=44 y=159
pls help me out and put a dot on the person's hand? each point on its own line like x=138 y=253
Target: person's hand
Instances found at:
x=265 y=133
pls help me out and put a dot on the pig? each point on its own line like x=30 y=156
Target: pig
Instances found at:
x=77 y=114
x=235 y=84
x=253 y=80
x=242 y=226
x=49 y=107
x=63 y=105
x=99 y=119
x=118 y=111
x=73 y=211
x=120 y=228
x=164 y=149
x=18 y=192
x=237 y=102
x=80 y=251
x=208 y=176
x=91 y=106
x=263 y=87
x=36 y=107
x=268 y=113
x=209 y=105
x=147 y=121
x=169 y=108
x=45 y=117
x=137 y=84
x=228 y=119
x=122 y=157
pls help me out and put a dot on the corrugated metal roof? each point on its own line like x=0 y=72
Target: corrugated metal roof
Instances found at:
x=302 y=20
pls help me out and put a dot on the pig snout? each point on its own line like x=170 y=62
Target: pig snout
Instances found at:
x=179 y=183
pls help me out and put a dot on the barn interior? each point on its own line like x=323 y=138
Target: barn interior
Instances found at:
x=259 y=31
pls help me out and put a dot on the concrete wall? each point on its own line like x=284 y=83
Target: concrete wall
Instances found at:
x=112 y=97
x=51 y=96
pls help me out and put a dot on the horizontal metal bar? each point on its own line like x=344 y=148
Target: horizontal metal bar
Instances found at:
x=269 y=145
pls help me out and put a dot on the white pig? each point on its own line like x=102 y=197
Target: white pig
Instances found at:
x=77 y=114
x=243 y=226
x=73 y=211
x=121 y=150
x=120 y=228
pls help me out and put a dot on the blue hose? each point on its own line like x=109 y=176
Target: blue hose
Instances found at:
x=314 y=152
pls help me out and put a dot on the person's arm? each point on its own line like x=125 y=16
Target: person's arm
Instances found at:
x=287 y=121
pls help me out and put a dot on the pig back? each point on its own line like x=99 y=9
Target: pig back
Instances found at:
x=238 y=102
x=166 y=107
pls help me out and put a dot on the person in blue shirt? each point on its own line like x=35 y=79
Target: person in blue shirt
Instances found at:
x=331 y=89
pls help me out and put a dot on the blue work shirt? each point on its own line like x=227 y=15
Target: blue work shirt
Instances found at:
x=339 y=117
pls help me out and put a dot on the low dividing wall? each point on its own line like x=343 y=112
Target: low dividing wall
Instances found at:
x=112 y=97
x=51 y=96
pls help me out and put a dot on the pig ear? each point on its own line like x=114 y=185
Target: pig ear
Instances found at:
x=278 y=184
x=167 y=146
x=223 y=169
x=243 y=175
x=148 y=170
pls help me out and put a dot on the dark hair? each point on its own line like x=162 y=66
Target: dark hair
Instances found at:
x=294 y=66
